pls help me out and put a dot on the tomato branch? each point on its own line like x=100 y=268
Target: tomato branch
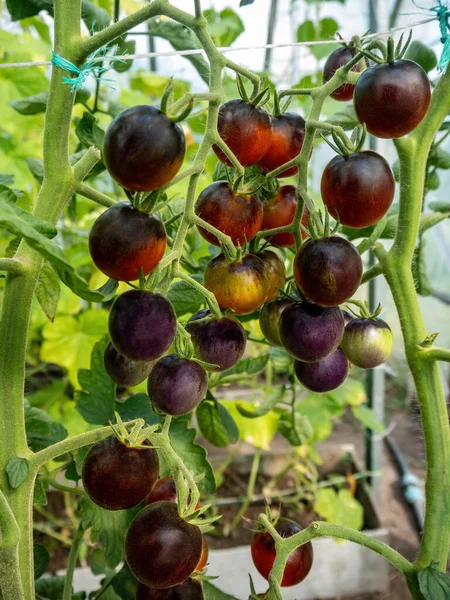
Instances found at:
x=13 y=266
x=91 y=193
x=434 y=353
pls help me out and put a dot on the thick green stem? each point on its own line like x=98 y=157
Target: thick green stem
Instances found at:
x=73 y=558
x=13 y=266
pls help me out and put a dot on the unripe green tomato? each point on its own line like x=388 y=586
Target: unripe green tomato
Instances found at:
x=367 y=342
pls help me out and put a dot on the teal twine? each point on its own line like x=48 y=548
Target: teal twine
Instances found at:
x=442 y=13
x=90 y=68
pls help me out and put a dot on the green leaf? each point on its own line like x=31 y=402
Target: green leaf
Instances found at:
x=440 y=206
x=41 y=430
x=27 y=8
x=422 y=55
x=245 y=3
x=210 y=591
x=281 y=359
x=345 y=118
x=124 y=47
x=432 y=181
x=224 y=26
x=138 y=407
x=268 y=404
x=340 y=508
x=245 y=367
x=41 y=560
x=50 y=588
x=17 y=470
x=216 y=423
x=108 y=526
x=259 y=431
x=88 y=132
x=319 y=413
x=94 y=17
x=124 y=584
x=422 y=282
x=48 y=291
x=184 y=298
x=69 y=340
x=351 y=392
x=40 y=492
x=439 y=158
x=433 y=584
x=181 y=38
x=367 y=417
x=96 y=403
x=22 y=227
x=36 y=166
x=6 y=180
x=325 y=29
x=298 y=431
x=194 y=456
x=37 y=103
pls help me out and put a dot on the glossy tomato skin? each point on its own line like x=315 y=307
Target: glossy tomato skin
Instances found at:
x=367 y=342
x=218 y=342
x=299 y=562
x=328 y=271
x=246 y=130
x=122 y=370
x=165 y=490
x=310 y=332
x=142 y=325
x=347 y=316
x=117 y=477
x=279 y=211
x=177 y=385
x=204 y=557
x=191 y=589
x=162 y=550
x=241 y=286
x=392 y=99
x=237 y=215
x=269 y=318
x=288 y=133
x=275 y=271
x=124 y=240
x=143 y=149
x=358 y=188
x=339 y=58
x=325 y=375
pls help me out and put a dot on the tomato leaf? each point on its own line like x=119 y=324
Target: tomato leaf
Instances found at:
x=96 y=401
x=124 y=47
x=138 y=407
x=48 y=291
x=216 y=423
x=88 y=132
x=185 y=298
x=367 y=417
x=41 y=430
x=40 y=492
x=269 y=402
x=325 y=29
x=421 y=54
x=224 y=26
x=41 y=560
x=37 y=103
x=246 y=366
x=210 y=591
x=433 y=584
x=108 y=526
x=340 y=508
x=258 y=431
x=17 y=470
x=297 y=431
x=124 y=584
x=50 y=588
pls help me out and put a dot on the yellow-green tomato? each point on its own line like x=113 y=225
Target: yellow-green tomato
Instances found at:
x=367 y=342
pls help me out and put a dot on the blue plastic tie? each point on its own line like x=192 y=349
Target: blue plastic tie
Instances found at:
x=90 y=68
x=442 y=12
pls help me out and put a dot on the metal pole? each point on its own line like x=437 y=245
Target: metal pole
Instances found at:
x=270 y=31
x=151 y=48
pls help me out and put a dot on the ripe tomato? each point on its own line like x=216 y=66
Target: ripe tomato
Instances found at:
x=162 y=549
x=218 y=342
x=367 y=342
x=142 y=325
x=239 y=216
x=269 y=318
x=279 y=211
x=299 y=562
x=288 y=132
x=122 y=370
x=176 y=385
x=143 y=149
x=324 y=375
x=275 y=271
x=204 y=557
x=339 y=58
x=358 y=188
x=241 y=286
x=165 y=490
x=393 y=98
x=246 y=130
x=328 y=271
x=116 y=476
x=191 y=589
x=124 y=240
x=310 y=332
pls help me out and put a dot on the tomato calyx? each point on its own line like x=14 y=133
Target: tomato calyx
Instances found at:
x=185 y=104
x=279 y=108
x=318 y=226
x=137 y=437
x=258 y=99
x=364 y=311
x=346 y=146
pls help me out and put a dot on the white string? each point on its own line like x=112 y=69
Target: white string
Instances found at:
x=227 y=49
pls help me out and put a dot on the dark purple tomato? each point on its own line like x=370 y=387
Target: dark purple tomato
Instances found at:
x=176 y=385
x=339 y=58
x=275 y=271
x=142 y=325
x=143 y=149
x=358 y=188
x=367 y=342
x=237 y=215
x=246 y=130
x=299 y=562
x=161 y=548
x=124 y=240
x=165 y=490
x=116 y=476
x=310 y=332
x=328 y=271
x=269 y=318
x=324 y=375
x=191 y=589
x=392 y=99
x=288 y=132
x=218 y=342
x=347 y=316
x=124 y=371
x=241 y=286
